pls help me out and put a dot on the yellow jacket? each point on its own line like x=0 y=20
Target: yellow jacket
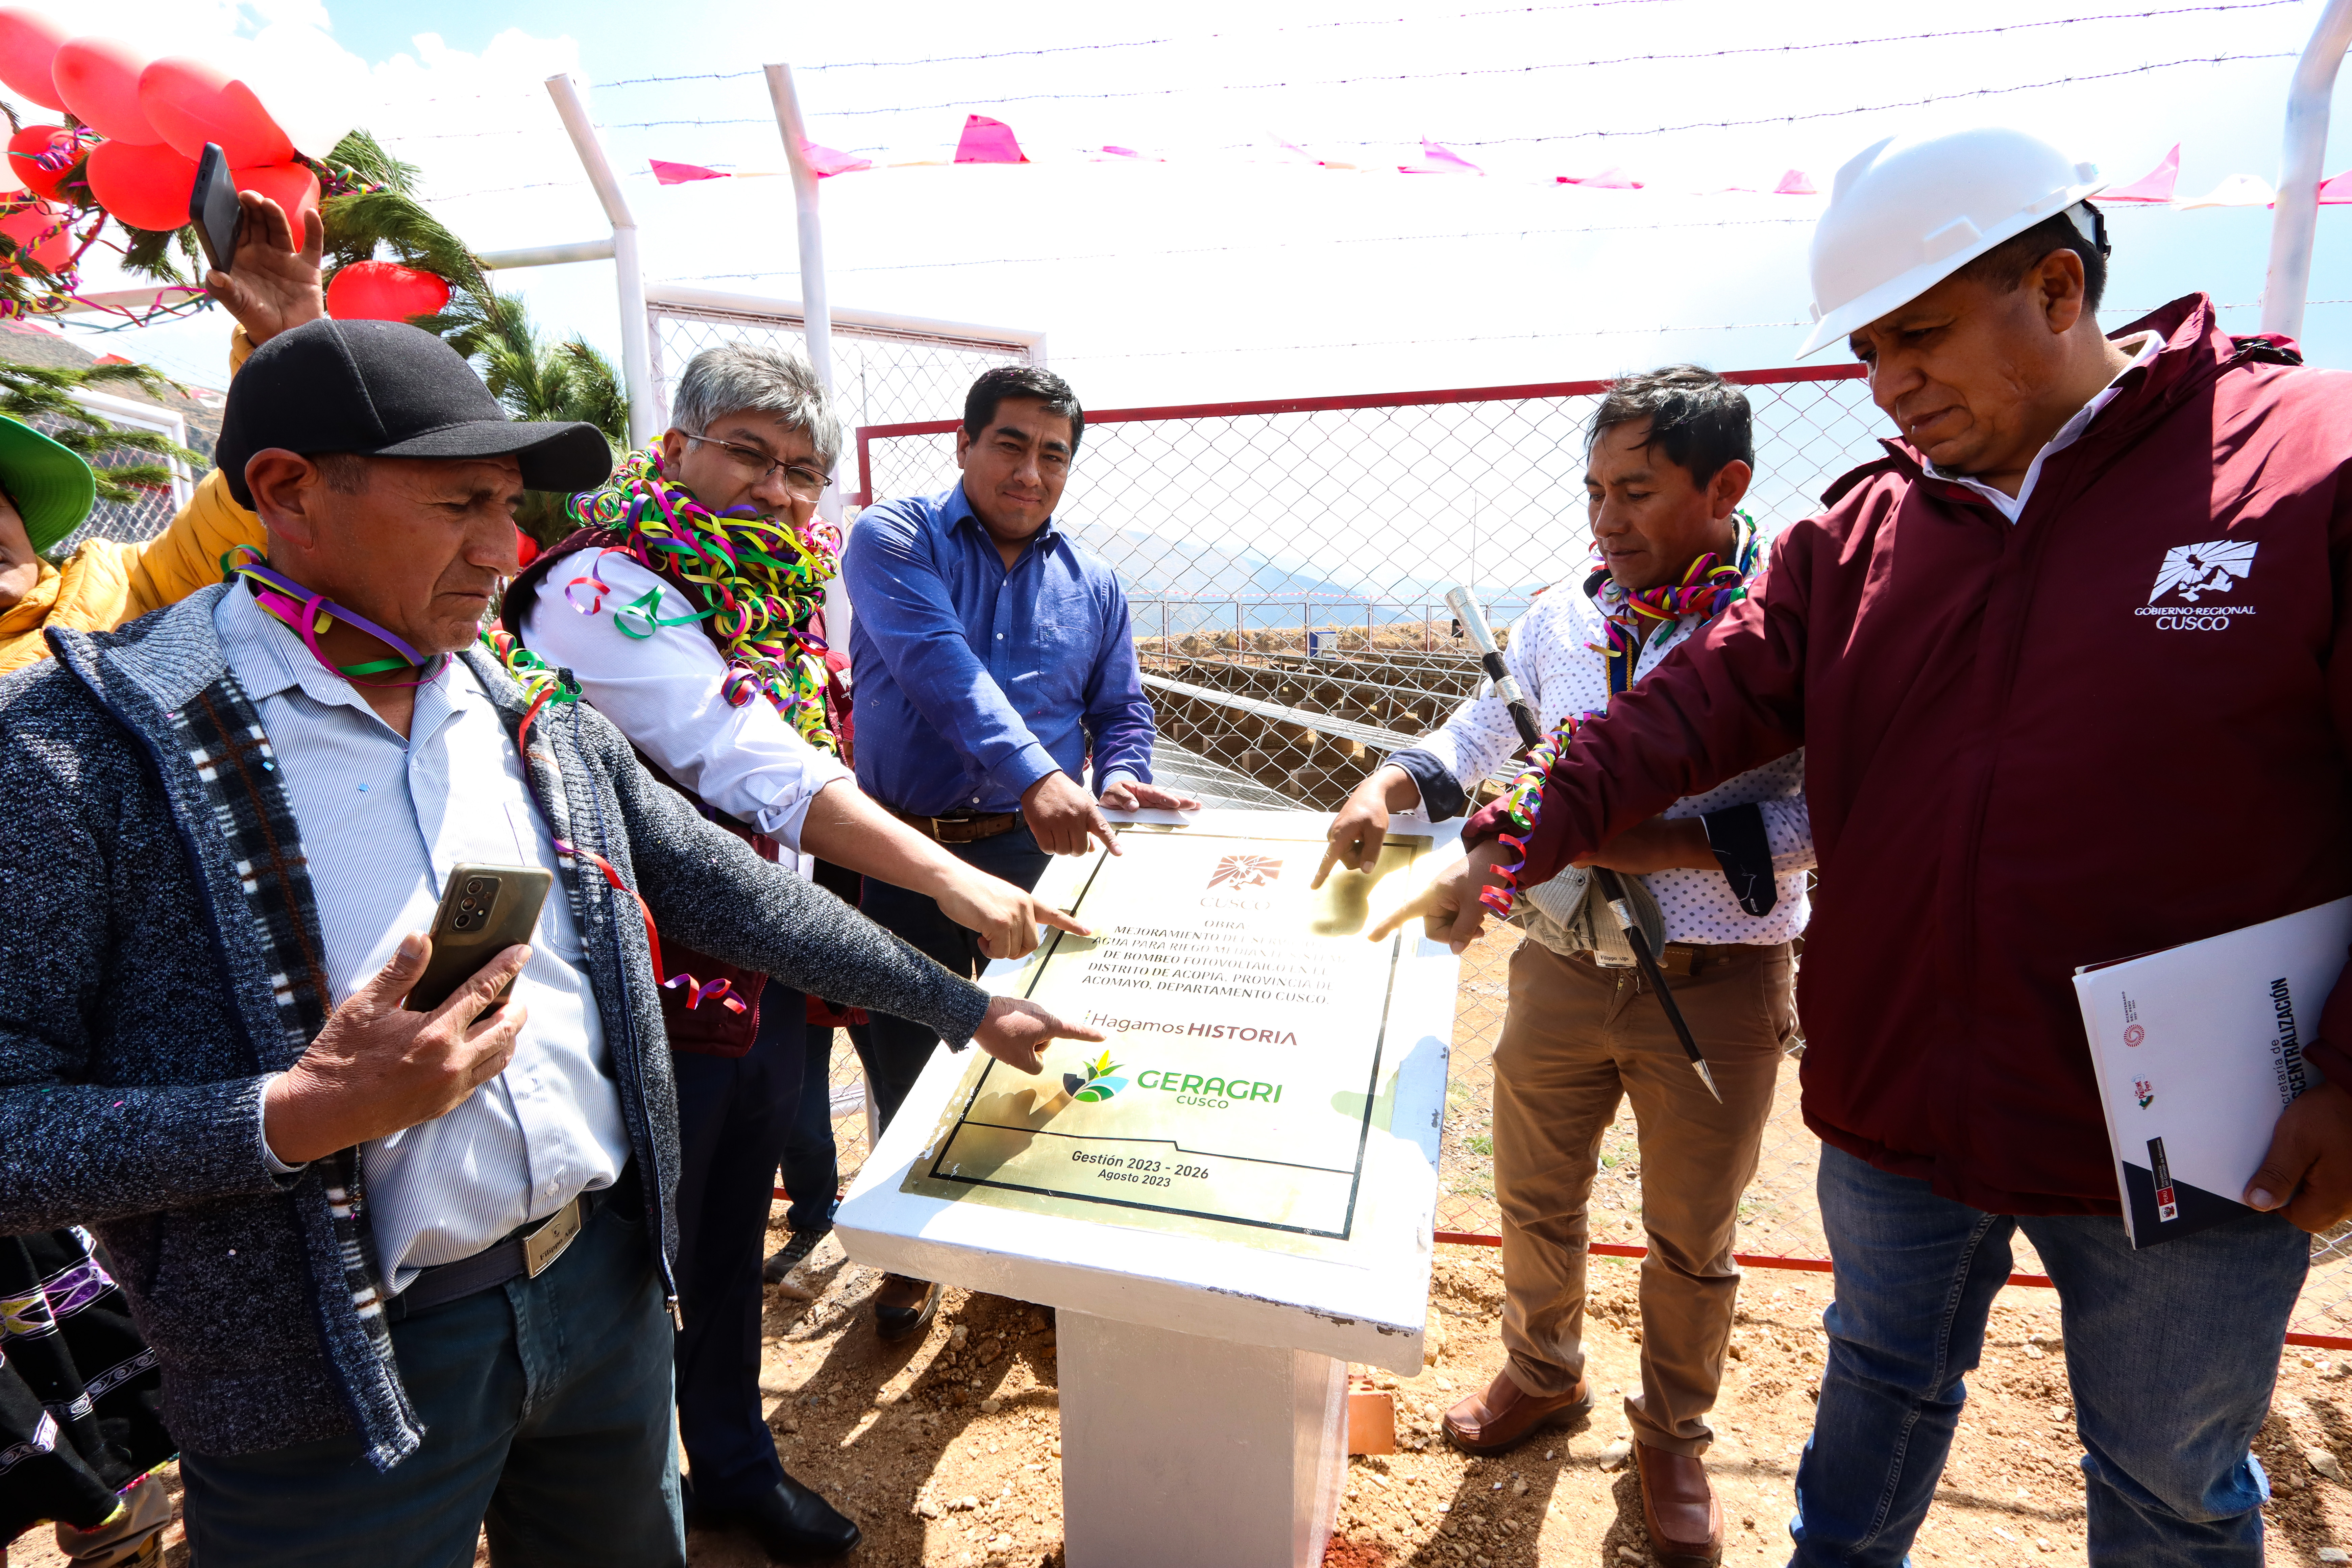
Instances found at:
x=104 y=584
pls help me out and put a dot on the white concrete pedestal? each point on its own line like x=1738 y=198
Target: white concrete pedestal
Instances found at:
x=1179 y=1451
x=1202 y=1372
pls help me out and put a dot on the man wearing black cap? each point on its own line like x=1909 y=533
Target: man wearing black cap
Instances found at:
x=404 y=1271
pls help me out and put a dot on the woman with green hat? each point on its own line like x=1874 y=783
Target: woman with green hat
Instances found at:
x=45 y=490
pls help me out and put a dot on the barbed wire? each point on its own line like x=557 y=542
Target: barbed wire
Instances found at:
x=1395 y=21
x=1841 y=114
x=1150 y=43
x=1605 y=135
x=1653 y=58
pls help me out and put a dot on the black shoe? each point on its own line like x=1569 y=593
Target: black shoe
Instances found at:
x=790 y=1255
x=898 y=1322
x=791 y=1523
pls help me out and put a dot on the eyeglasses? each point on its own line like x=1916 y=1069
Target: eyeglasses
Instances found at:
x=804 y=482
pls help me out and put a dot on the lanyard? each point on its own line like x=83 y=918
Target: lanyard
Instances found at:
x=307 y=614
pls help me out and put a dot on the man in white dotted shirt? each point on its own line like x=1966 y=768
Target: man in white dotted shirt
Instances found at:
x=1670 y=458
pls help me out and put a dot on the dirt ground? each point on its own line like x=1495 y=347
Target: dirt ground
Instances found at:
x=948 y=1453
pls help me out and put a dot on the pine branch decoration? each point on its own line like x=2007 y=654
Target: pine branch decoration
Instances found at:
x=41 y=395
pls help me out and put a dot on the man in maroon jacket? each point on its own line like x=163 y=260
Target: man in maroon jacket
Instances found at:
x=2035 y=739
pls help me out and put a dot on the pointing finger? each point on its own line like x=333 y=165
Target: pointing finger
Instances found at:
x=1053 y=916
x=1330 y=859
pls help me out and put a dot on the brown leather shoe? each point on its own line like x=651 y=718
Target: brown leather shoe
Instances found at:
x=1678 y=1508
x=1491 y=1422
x=905 y=1306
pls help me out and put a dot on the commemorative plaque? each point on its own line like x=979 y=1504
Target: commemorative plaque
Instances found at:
x=1227 y=1201
x=1249 y=1019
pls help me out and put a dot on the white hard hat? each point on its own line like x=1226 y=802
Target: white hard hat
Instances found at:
x=1910 y=211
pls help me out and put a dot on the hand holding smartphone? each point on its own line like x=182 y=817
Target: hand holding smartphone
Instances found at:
x=214 y=208
x=484 y=910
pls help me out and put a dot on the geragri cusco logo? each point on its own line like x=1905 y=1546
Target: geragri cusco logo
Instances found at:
x=1244 y=871
x=1207 y=1092
x=1097 y=1083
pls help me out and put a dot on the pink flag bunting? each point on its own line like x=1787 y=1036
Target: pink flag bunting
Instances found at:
x=825 y=162
x=2337 y=191
x=1437 y=160
x=1607 y=180
x=2155 y=185
x=1795 y=183
x=683 y=174
x=987 y=141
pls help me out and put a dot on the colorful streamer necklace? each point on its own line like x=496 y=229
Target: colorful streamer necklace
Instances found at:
x=307 y=614
x=756 y=579
x=1709 y=587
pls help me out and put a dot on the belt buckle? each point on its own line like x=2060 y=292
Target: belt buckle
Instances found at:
x=543 y=1246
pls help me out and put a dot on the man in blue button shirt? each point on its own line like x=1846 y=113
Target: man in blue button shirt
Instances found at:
x=992 y=658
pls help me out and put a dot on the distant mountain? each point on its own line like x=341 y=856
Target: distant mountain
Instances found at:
x=1153 y=566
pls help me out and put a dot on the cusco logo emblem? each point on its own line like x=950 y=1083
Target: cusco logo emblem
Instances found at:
x=1098 y=1082
x=1244 y=871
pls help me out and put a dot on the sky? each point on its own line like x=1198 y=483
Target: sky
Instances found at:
x=1235 y=270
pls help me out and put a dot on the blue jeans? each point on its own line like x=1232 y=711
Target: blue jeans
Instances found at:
x=811 y=1171
x=894 y=1050
x=546 y=1408
x=2170 y=1354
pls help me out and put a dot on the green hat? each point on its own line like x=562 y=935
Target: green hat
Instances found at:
x=52 y=486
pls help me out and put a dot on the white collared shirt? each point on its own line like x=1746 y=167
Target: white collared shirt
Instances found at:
x=383 y=820
x=664 y=692
x=2013 y=507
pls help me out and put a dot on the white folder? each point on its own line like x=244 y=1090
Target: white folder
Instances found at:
x=2199 y=1048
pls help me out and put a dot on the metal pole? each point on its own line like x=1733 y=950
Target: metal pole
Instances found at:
x=636 y=355
x=2300 y=171
x=816 y=310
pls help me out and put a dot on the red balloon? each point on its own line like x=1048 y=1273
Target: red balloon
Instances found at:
x=98 y=79
x=28 y=47
x=42 y=228
x=28 y=144
x=383 y=291
x=190 y=103
x=292 y=185
x=146 y=187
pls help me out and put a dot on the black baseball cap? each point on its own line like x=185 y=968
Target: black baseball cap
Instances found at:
x=385 y=389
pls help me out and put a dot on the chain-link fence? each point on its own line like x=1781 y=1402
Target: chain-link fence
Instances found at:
x=150 y=511
x=1285 y=562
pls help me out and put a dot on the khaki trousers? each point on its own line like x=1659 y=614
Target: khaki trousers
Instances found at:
x=1578 y=1039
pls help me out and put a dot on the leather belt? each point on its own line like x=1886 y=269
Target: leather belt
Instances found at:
x=527 y=1253
x=962 y=829
x=1680 y=959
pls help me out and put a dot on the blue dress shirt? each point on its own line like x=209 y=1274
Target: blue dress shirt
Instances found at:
x=974 y=681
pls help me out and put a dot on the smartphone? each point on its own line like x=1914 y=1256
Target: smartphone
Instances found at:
x=213 y=208
x=484 y=910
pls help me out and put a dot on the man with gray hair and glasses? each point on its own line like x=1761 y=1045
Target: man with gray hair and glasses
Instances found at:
x=687 y=606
